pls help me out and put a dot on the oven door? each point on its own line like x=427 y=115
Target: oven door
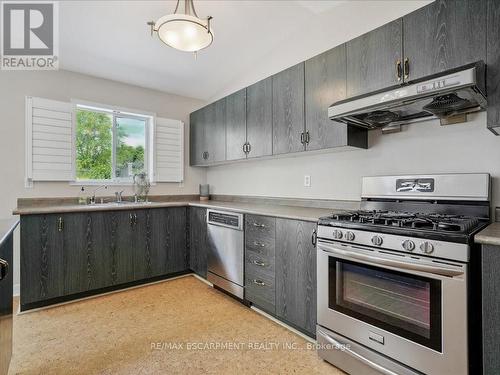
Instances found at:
x=410 y=308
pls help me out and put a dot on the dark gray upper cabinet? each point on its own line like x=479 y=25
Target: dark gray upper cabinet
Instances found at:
x=197 y=137
x=443 y=35
x=215 y=131
x=296 y=274
x=260 y=118
x=372 y=59
x=493 y=69
x=288 y=110
x=325 y=84
x=236 y=125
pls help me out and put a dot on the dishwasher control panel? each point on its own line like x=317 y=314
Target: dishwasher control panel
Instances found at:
x=226 y=219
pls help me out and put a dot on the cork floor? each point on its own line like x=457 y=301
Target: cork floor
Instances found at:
x=181 y=326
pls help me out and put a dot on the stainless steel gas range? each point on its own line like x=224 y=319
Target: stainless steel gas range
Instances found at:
x=394 y=278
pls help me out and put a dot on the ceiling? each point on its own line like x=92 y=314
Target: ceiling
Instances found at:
x=253 y=39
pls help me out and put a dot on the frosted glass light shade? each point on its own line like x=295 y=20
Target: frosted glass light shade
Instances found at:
x=184 y=32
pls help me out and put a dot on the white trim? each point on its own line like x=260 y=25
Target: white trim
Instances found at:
x=202 y=279
x=16 y=290
x=112 y=108
x=28 y=136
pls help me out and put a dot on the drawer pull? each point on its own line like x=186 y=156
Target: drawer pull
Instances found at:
x=60 y=224
x=260 y=244
x=258 y=225
x=259 y=263
x=259 y=282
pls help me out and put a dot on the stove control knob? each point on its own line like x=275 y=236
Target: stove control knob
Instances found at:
x=349 y=236
x=337 y=234
x=377 y=240
x=408 y=245
x=427 y=247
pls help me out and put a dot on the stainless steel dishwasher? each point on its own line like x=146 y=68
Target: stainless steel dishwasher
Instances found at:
x=225 y=251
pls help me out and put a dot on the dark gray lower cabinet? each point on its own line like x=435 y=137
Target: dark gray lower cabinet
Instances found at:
x=42 y=261
x=68 y=254
x=198 y=243
x=490 y=263
x=296 y=274
x=169 y=244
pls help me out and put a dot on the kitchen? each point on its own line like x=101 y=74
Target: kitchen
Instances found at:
x=288 y=187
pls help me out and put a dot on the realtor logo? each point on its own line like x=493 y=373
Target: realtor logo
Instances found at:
x=29 y=35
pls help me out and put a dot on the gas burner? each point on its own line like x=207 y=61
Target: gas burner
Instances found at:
x=400 y=219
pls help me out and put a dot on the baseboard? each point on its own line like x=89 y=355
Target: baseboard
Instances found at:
x=297 y=332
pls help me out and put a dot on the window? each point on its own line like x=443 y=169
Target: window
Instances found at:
x=110 y=145
x=90 y=143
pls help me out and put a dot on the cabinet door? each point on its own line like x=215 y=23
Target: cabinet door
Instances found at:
x=236 y=125
x=260 y=118
x=198 y=240
x=81 y=268
x=215 y=131
x=372 y=58
x=141 y=242
x=443 y=35
x=168 y=252
x=123 y=246
x=325 y=80
x=288 y=110
x=42 y=263
x=493 y=70
x=197 y=137
x=296 y=274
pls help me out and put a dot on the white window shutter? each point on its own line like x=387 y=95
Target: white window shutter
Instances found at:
x=49 y=140
x=169 y=150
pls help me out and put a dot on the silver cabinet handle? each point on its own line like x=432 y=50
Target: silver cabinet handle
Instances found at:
x=259 y=282
x=258 y=225
x=259 y=263
x=60 y=224
x=260 y=244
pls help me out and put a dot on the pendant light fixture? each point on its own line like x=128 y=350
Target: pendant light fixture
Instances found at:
x=184 y=30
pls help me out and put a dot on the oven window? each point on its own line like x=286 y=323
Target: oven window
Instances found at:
x=401 y=303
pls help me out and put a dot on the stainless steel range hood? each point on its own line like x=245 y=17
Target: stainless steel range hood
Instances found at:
x=449 y=96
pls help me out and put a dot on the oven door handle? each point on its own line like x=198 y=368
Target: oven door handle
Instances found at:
x=355 y=355
x=442 y=271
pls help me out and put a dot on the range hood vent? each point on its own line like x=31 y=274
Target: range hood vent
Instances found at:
x=449 y=96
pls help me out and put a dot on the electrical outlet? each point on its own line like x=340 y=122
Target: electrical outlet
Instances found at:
x=307 y=180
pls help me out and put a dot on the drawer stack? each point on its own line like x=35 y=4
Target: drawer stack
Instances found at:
x=260 y=235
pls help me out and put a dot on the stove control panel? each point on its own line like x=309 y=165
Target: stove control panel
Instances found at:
x=418 y=246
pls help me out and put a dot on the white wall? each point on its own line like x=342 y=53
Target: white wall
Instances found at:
x=64 y=85
x=420 y=148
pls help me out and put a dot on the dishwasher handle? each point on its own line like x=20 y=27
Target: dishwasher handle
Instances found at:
x=230 y=220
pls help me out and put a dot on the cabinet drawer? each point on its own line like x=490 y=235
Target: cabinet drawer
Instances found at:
x=260 y=235
x=261 y=264
x=260 y=289
x=262 y=227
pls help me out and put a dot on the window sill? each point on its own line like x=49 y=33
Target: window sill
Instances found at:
x=107 y=183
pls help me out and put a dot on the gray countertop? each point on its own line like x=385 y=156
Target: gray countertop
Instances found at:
x=288 y=212
x=490 y=235
x=7 y=226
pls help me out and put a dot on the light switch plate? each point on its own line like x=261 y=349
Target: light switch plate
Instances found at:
x=307 y=180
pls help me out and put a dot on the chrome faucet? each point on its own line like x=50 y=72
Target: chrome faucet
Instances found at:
x=118 y=196
x=92 y=198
